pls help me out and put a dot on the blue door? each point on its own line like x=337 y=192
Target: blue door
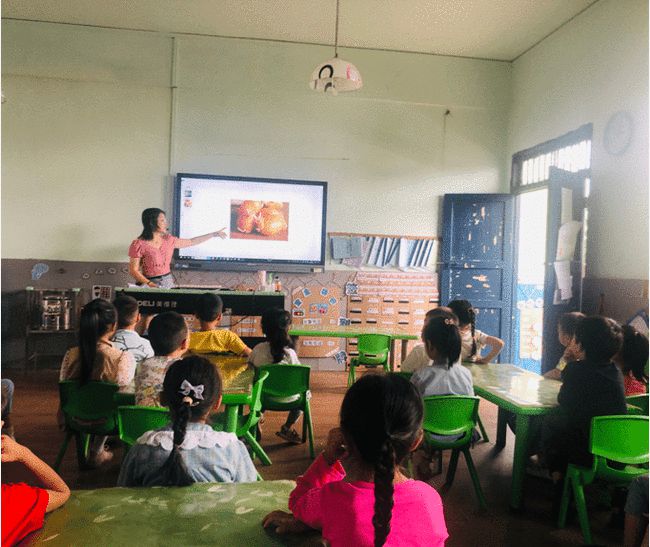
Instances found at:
x=477 y=259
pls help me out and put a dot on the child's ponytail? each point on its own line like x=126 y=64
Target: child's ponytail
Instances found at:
x=97 y=318
x=384 y=473
x=190 y=389
x=443 y=334
x=382 y=444
x=174 y=471
x=275 y=326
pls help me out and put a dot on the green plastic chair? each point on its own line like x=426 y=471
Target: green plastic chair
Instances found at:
x=133 y=421
x=287 y=388
x=621 y=439
x=88 y=410
x=453 y=415
x=248 y=422
x=484 y=435
x=373 y=352
x=637 y=404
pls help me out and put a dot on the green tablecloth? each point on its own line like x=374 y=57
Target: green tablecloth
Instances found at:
x=202 y=514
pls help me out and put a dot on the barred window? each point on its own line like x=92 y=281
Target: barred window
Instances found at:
x=571 y=152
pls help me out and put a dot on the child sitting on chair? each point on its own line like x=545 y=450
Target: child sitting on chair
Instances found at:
x=418 y=357
x=591 y=386
x=169 y=337
x=445 y=375
x=209 y=308
x=473 y=340
x=369 y=501
x=278 y=348
x=188 y=450
x=125 y=337
x=95 y=359
x=23 y=506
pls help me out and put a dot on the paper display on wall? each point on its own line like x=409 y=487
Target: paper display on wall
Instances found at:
x=564 y=282
x=567 y=237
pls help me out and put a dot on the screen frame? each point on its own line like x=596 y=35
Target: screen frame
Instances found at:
x=190 y=263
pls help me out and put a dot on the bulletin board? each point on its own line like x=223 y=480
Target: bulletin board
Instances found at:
x=390 y=299
x=318 y=305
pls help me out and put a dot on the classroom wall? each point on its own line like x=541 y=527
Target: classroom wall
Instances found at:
x=89 y=139
x=594 y=66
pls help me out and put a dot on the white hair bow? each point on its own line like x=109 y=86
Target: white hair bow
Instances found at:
x=186 y=388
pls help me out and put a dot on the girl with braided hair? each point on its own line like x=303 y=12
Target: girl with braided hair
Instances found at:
x=188 y=450
x=472 y=339
x=355 y=491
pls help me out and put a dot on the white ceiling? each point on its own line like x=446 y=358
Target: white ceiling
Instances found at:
x=486 y=29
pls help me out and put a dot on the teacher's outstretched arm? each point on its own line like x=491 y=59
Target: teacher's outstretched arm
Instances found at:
x=181 y=243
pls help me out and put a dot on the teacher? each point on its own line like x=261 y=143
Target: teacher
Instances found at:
x=151 y=254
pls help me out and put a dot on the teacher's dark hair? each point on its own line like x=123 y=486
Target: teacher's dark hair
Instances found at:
x=198 y=371
x=381 y=416
x=150 y=222
x=97 y=318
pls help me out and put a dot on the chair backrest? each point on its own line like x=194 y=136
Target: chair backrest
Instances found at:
x=256 y=401
x=133 y=421
x=622 y=439
x=89 y=408
x=639 y=402
x=373 y=347
x=285 y=381
x=450 y=414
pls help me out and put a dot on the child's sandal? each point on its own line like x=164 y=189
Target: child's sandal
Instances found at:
x=289 y=435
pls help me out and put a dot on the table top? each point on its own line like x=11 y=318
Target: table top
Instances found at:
x=514 y=388
x=352 y=331
x=201 y=514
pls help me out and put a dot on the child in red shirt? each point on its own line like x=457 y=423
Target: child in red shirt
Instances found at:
x=24 y=506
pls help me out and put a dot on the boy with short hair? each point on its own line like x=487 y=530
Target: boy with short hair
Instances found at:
x=169 y=337
x=210 y=340
x=125 y=337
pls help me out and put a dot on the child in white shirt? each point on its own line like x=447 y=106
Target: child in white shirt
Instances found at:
x=418 y=357
x=278 y=348
x=472 y=340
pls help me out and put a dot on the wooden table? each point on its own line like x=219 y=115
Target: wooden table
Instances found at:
x=523 y=393
x=353 y=331
x=201 y=514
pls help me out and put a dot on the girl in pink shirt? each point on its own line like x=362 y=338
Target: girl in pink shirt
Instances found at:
x=369 y=502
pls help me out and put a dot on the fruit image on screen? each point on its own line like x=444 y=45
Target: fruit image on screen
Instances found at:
x=262 y=220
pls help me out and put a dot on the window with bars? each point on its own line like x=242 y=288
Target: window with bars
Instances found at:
x=571 y=152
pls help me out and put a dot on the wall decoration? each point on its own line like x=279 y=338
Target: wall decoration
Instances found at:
x=317 y=307
x=38 y=270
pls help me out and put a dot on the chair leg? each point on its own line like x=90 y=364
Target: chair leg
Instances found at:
x=82 y=442
x=259 y=477
x=439 y=461
x=64 y=447
x=310 y=427
x=351 y=376
x=564 y=503
x=475 y=481
x=257 y=449
x=484 y=434
x=581 y=508
x=451 y=471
